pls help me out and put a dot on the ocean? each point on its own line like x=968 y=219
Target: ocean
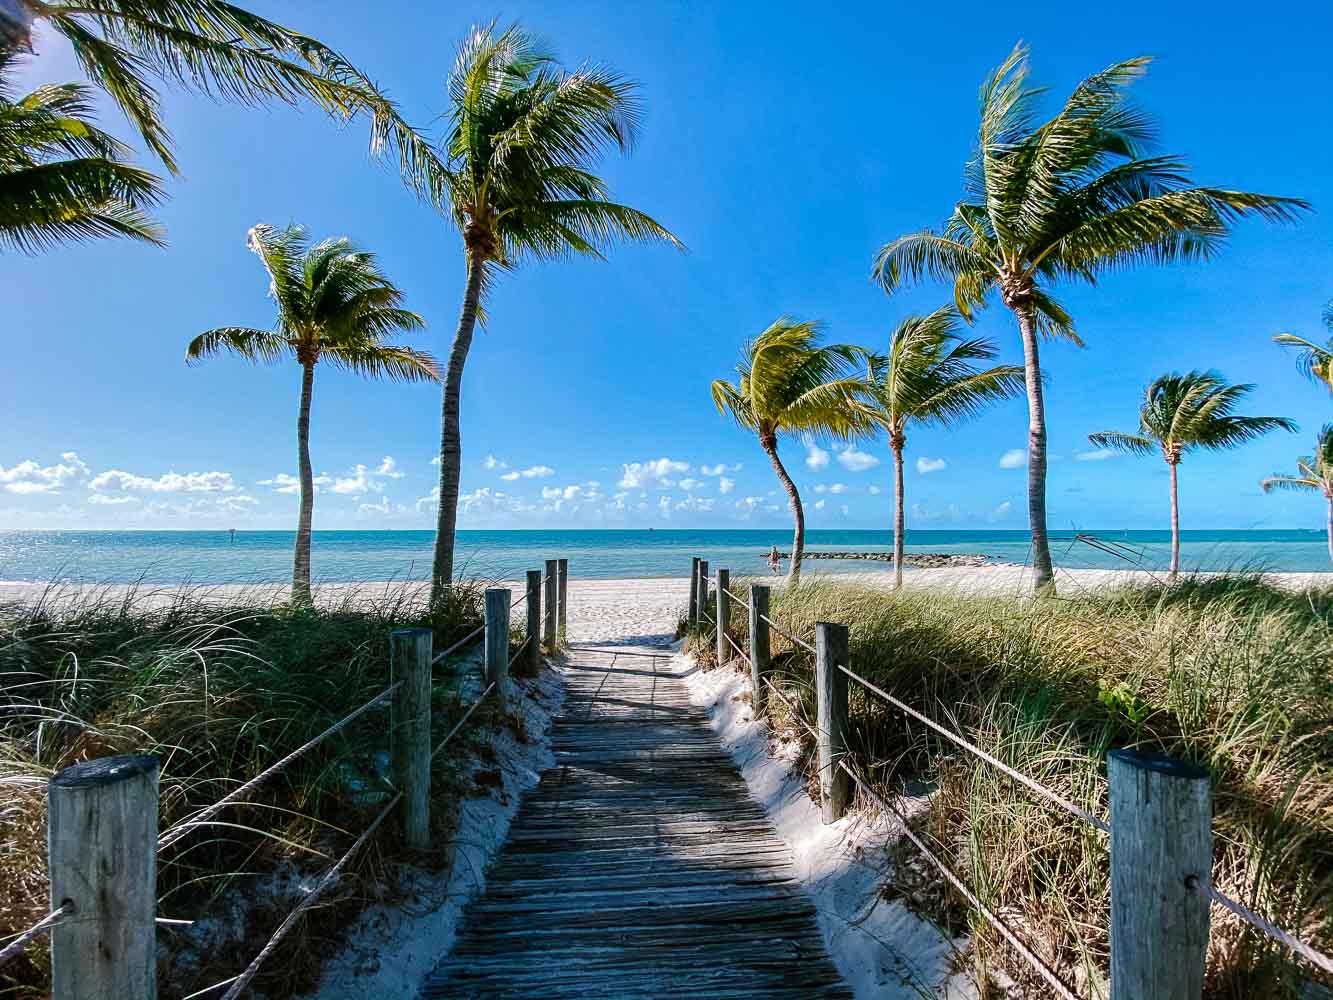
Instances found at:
x=213 y=557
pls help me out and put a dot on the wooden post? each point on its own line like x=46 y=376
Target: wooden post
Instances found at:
x=723 y=615
x=409 y=726
x=758 y=648
x=102 y=851
x=1161 y=868
x=693 y=618
x=534 y=621
x=497 y=641
x=831 y=718
x=548 y=630
x=703 y=594
x=562 y=577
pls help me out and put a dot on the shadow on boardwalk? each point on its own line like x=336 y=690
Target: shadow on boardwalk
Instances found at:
x=639 y=867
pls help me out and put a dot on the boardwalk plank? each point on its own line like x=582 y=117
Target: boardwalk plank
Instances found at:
x=639 y=867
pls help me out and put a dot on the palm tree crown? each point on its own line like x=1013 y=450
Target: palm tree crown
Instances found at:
x=930 y=376
x=61 y=177
x=788 y=382
x=334 y=304
x=516 y=179
x=1181 y=413
x=1313 y=472
x=1314 y=361
x=1068 y=199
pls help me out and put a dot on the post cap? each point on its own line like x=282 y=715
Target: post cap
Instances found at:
x=409 y=632
x=106 y=771
x=1160 y=763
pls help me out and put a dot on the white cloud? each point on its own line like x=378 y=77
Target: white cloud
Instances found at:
x=562 y=492
x=384 y=507
x=815 y=456
x=1014 y=458
x=704 y=504
x=1100 y=455
x=102 y=498
x=388 y=468
x=1001 y=511
x=690 y=484
x=29 y=477
x=491 y=463
x=117 y=481
x=873 y=491
x=726 y=485
x=721 y=469
x=510 y=476
x=819 y=504
x=925 y=466
x=845 y=509
x=537 y=472
x=638 y=475
x=285 y=482
x=831 y=488
x=664 y=506
x=361 y=481
x=856 y=461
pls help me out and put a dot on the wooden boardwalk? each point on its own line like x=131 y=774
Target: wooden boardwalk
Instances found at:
x=639 y=867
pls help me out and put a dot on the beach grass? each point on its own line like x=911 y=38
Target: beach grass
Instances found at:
x=219 y=689
x=1229 y=672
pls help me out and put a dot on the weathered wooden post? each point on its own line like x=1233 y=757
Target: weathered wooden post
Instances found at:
x=1161 y=869
x=703 y=593
x=548 y=629
x=693 y=618
x=562 y=606
x=409 y=726
x=497 y=642
x=723 y=615
x=534 y=621
x=831 y=718
x=758 y=647
x=102 y=852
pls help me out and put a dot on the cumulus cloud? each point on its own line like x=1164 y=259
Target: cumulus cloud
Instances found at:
x=103 y=499
x=873 y=491
x=1002 y=510
x=726 y=485
x=703 y=504
x=491 y=463
x=856 y=461
x=831 y=488
x=721 y=469
x=1100 y=455
x=845 y=510
x=819 y=504
x=815 y=456
x=690 y=484
x=30 y=477
x=118 y=481
x=637 y=475
x=388 y=468
x=285 y=482
x=925 y=466
x=1014 y=458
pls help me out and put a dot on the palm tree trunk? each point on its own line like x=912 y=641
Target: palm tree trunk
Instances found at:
x=770 y=446
x=301 y=562
x=898 y=517
x=1044 y=582
x=1330 y=527
x=1175 y=523
x=451 y=448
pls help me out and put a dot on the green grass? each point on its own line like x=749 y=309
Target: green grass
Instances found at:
x=219 y=691
x=1231 y=673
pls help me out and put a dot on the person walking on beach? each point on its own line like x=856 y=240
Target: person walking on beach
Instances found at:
x=774 y=561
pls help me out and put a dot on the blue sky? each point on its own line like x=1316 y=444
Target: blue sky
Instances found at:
x=784 y=151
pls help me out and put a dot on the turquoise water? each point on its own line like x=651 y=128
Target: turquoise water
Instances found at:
x=209 y=557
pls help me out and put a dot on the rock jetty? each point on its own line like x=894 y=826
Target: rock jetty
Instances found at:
x=918 y=560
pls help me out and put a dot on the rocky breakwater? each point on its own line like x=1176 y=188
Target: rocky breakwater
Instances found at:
x=917 y=560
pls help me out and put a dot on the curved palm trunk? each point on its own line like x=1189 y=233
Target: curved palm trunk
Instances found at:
x=451 y=448
x=1044 y=582
x=1175 y=523
x=770 y=446
x=898 y=517
x=1330 y=527
x=301 y=562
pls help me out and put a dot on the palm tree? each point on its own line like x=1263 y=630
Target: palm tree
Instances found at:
x=789 y=383
x=334 y=304
x=523 y=135
x=1184 y=412
x=1314 y=361
x=213 y=47
x=929 y=377
x=1073 y=198
x=61 y=177
x=1312 y=473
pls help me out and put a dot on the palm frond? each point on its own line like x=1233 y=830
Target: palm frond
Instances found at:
x=1314 y=361
x=1134 y=444
x=384 y=362
x=261 y=346
x=50 y=203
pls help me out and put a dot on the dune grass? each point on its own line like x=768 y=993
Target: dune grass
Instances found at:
x=219 y=688
x=1228 y=672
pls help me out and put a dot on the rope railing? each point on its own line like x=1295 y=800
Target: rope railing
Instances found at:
x=795 y=712
x=1028 y=955
x=21 y=941
x=201 y=818
x=1023 y=779
x=1272 y=931
x=519 y=652
x=459 y=725
x=459 y=644
x=739 y=652
x=787 y=635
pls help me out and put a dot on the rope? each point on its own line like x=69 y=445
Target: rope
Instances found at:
x=244 y=978
x=201 y=818
x=461 y=642
x=791 y=708
x=22 y=941
x=1022 y=779
x=735 y=598
x=787 y=636
x=466 y=715
x=739 y=652
x=1274 y=932
x=1040 y=967
x=519 y=652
